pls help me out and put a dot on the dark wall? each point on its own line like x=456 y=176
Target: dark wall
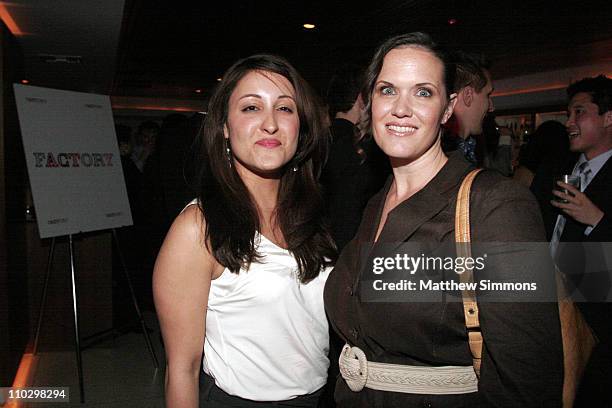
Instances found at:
x=14 y=321
x=4 y=343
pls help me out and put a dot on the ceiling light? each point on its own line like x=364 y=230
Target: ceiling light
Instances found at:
x=219 y=79
x=452 y=21
x=25 y=81
x=198 y=91
x=309 y=26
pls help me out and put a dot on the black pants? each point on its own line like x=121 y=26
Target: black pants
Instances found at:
x=212 y=396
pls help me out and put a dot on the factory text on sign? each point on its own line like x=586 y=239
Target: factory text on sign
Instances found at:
x=51 y=159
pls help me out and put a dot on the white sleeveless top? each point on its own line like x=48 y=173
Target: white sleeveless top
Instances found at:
x=266 y=333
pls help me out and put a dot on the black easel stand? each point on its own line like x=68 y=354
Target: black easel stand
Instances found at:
x=75 y=307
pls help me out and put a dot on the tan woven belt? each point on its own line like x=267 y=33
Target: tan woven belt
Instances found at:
x=358 y=373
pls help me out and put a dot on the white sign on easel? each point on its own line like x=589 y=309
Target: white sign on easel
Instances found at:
x=73 y=161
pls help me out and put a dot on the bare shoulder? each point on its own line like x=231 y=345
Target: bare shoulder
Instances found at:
x=187 y=233
x=189 y=224
x=184 y=259
x=181 y=286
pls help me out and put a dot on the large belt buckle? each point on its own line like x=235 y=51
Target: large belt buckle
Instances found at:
x=355 y=376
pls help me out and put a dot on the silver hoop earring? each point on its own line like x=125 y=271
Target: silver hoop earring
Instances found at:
x=228 y=153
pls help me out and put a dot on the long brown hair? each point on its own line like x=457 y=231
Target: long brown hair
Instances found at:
x=228 y=208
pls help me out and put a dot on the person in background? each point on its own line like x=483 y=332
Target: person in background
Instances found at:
x=408 y=97
x=582 y=221
x=176 y=138
x=548 y=146
x=353 y=173
x=241 y=272
x=355 y=170
x=474 y=88
x=144 y=144
x=495 y=145
x=124 y=136
x=164 y=187
x=131 y=173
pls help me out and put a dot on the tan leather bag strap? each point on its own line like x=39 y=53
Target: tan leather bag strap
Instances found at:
x=464 y=250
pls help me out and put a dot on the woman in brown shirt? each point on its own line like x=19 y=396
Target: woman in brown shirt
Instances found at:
x=408 y=94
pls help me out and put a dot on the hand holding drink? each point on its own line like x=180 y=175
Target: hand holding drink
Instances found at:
x=573 y=180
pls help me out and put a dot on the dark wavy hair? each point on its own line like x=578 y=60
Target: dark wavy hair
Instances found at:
x=226 y=204
x=343 y=89
x=416 y=39
x=548 y=142
x=600 y=89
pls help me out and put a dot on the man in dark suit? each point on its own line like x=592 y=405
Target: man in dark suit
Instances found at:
x=355 y=169
x=585 y=219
